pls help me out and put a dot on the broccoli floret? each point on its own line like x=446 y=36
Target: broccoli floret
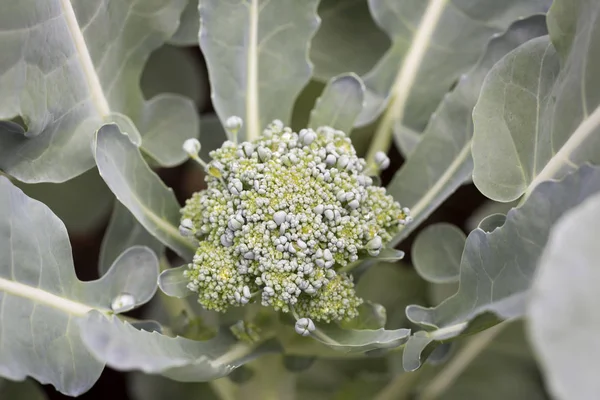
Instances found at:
x=280 y=216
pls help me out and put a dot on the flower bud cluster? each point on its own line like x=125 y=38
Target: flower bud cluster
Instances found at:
x=279 y=218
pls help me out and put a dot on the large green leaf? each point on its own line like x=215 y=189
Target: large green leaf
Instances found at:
x=257 y=60
x=68 y=67
x=139 y=189
x=125 y=348
x=176 y=70
x=441 y=162
x=82 y=203
x=124 y=231
x=436 y=253
x=394 y=286
x=189 y=25
x=42 y=299
x=339 y=104
x=563 y=313
x=433 y=43
x=27 y=390
x=538 y=116
x=348 y=40
x=497 y=267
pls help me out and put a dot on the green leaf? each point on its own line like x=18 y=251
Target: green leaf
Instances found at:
x=436 y=253
x=124 y=348
x=82 y=203
x=359 y=340
x=488 y=208
x=497 y=268
x=176 y=70
x=425 y=181
x=433 y=43
x=123 y=232
x=538 y=108
x=563 y=315
x=189 y=26
x=394 y=286
x=42 y=297
x=370 y=316
x=339 y=104
x=257 y=60
x=69 y=67
x=139 y=189
x=26 y=390
x=347 y=39
x=173 y=283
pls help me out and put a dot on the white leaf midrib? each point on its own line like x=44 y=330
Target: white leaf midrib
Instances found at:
x=94 y=86
x=562 y=157
x=252 y=111
x=43 y=297
x=405 y=79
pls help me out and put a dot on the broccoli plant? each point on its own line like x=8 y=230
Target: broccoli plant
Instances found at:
x=382 y=199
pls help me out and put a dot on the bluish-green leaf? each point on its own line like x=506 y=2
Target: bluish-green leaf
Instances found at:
x=359 y=340
x=176 y=70
x=82 y=203
x=436 y=253
x=123 y=232
x=42 y=299
x=394 y=286
x=538 y=116
x=257 y=57
x=370 y=316
x=189 y=26
x=125 y=348
x=442 y=162
x=564 y=322
x=433 y=43
x=339 y=104
x=139 y=189
x=347 y=39
x=67 y=68
x=497 y=268
x=173 y=283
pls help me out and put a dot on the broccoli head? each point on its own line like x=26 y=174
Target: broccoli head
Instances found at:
x=280 y=216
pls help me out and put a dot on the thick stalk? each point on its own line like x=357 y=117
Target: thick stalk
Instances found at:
x=271 y=381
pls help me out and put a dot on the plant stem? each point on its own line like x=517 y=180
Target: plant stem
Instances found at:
x=446 y=377
x=401 y=386
x=224 y=388
x=405 y=78
x=271 y=380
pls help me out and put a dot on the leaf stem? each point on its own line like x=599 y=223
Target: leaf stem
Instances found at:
x=41 y=296
x=252 y=110
x=446 y=377
x=405 y=78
